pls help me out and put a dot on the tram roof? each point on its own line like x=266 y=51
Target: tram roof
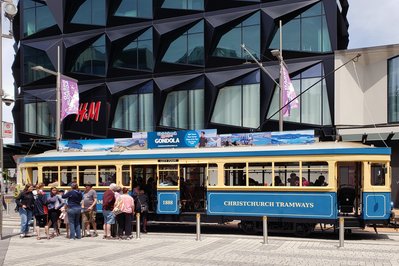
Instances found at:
x=318 y=148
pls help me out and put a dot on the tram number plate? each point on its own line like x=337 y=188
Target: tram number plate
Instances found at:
x=167 y=202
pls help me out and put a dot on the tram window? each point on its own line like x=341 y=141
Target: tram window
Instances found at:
x=68 y=175
x=287 y=173
x=50 y=176
x=315 y=174
x=378 y=172
x=33 y=173
x=260 y=174
x=168 y=175
x=212 y=174
x=87 y=175
x=234 y=174
x=126 y=176
x=106 y=175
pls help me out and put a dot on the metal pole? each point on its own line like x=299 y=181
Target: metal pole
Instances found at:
x=198 y=226
x=265 y=236
x=138 y=225
x=58 y=102
x=281 y=103
x=341 y=231
x=1 y=122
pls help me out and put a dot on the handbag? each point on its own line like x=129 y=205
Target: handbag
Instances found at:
x=143 y=207
x=118 y=207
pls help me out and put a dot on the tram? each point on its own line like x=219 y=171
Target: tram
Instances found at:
x=295 y=186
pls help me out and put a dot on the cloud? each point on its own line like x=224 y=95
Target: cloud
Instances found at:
x=373 y=23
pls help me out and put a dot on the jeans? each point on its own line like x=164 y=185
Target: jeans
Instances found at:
x=26 y=217
x=74 y=223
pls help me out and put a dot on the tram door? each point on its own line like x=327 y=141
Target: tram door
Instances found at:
x=168 y=189
x=145 y=177
x=193 y=187
x=350 y=175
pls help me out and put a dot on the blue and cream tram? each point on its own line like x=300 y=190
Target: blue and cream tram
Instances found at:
x=296 y=186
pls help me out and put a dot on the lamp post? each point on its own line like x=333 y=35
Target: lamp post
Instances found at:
x=279 y=55
x=57 y=96
x=10 y=10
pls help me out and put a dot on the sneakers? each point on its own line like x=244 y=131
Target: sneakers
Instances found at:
x=95 y=234
x=22 y=235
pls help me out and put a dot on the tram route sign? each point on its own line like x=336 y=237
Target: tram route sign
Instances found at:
x=279 y=204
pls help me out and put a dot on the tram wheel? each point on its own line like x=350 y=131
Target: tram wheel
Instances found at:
x=303 y=229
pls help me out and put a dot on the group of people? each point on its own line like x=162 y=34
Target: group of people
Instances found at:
x=49 y=210
x=294 y=181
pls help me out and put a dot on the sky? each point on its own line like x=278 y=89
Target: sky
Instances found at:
x=371 y=23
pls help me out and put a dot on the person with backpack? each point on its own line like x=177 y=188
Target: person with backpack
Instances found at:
x=25 y=204
x=74 y=198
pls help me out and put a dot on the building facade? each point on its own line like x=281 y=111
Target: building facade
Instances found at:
x=366 y=101
x=150 y=65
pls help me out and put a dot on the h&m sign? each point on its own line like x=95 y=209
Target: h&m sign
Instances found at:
x=88 y=111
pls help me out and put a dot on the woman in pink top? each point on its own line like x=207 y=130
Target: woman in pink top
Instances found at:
x=126 y=217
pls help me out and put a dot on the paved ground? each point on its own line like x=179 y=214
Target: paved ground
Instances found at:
x=160 y=248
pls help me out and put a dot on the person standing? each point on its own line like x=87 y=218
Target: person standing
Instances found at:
x=89 y=210
x=74 y=198
x=40 y=211
x=25 y=204
x=54 y=204
x=125 y=218
x=108 y=206
x=142 y=207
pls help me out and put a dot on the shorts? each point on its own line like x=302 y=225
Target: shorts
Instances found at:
x=89 y=216
x=41 y=220
x=109 y=217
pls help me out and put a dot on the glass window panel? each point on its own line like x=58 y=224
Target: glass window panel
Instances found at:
x=68 y=175
x=260 y=174
x=251 y=105
x=393 y=89
x=252 y=20
x=288 y=173
x=195 y=49
x=195 y=4
x=311 y=102
x=168 y=175
x=87 y=175
x=134 y=112
x=177 y=51
x=228 y=106
x=311 y=32
x=106 y=175
x=229 y=44
x=126 y=176
x=127 y=8
x=91 y=12
x=34 y=57
x=315 y=10
x=251 y=38
x=38 y=119
x=35 y=175
x=50 y=176
x=37 y=17
x=144 y=8
x=326 y=36
x=93 y=59
x=326 y=106
x=29 y=3
x=184 y=4
x=212 y=174
x=234 y=174
x=315 y=174
x=378 y=171
x=291 y=36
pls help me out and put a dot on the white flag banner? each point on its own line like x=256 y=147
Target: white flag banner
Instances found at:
x=288 y=93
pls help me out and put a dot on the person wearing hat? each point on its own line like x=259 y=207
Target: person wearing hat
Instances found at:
x=89 y=210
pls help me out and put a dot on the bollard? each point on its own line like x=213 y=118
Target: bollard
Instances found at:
x=8 y=208
x=198 y=225
x=1 y=213
x=341 y=231
x=265 y=236
x=138 y=225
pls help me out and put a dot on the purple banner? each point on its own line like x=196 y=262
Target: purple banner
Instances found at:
x=69 y=96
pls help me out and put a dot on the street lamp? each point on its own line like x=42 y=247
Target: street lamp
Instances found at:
x=57 y=95
x=10 y=10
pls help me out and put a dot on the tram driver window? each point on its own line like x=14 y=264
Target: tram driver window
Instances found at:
x=234 y=174
x=378 y=172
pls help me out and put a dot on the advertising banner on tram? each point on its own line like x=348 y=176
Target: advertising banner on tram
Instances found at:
x=182 y=139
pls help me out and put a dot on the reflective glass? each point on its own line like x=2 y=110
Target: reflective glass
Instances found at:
x=134 y=112
x=37 y=17
x=91 y=12
x=184 y=4
x=38 y=119
x=248 y=33
x=34 y=57
x=135 y=8
x=307 y=32
x=184 y=109
x=393 y=90
x=137 y=54
x=187 y=48
x=92 y=60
